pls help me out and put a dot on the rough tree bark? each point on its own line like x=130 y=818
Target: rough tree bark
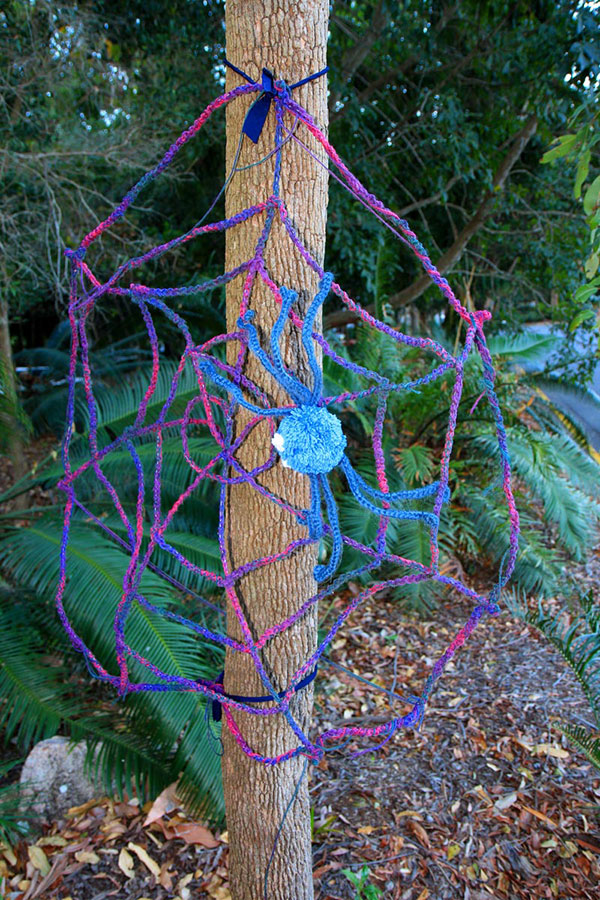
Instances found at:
x=13 y=438
x=288 y=37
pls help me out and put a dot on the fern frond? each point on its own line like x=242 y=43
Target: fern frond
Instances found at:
x=579 y=648
x=588 y=744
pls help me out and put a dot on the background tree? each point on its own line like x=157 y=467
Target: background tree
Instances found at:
x=437 y=113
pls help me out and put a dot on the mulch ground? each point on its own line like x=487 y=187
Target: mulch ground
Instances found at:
x=486 y=800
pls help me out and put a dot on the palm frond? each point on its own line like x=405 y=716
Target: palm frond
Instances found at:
x=35 y=697
x=559 y=474
x=118 y=406
x=537 y=569
x=523 y=347
x=575 y=406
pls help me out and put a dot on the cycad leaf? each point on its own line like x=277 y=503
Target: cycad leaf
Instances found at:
x=95 y=571
x=35 y=696
x=526 y=346
x=579 y=647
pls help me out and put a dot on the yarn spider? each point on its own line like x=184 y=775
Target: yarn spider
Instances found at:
x=310 y=438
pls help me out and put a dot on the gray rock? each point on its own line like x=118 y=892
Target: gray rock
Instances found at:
x=54 y=779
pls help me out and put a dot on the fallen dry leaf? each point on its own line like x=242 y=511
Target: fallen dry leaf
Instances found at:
x=165 y=803
x=420 y=833
x=143 y=857
x=9 y=856
x=165 y=879
x=551 y=750
x=39 y=860
x=542 y=816
x=127 y=809
x=396 y=843
x=77 y=810
x=506 y=800
x=183 y=882
x=126 y=863
x=192 y=833
x=87 y=856
x=483 y=794
x=218 y=890
x=113 y=829
x=52 y=840
x=588 y=841
x=452 y=851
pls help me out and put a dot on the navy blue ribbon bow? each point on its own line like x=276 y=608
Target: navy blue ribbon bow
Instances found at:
x=258 y=112
x=216 y=704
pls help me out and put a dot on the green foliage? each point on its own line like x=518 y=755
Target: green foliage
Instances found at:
x=34 y=700
x=557 y=483
x=424 y=119
x=361 y=881
x=151 y=739
x=580 y=149
x=586 y=743
x=576 y=636
x=13 y=822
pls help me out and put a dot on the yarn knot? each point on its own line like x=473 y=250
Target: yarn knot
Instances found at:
x=79 y=253
x=282 y=89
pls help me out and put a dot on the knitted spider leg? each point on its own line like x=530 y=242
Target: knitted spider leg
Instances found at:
x=307 y=338
x=293 y=385
x=322 y=573
x=297 y=391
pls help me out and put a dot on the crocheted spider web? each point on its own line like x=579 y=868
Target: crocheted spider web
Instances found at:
x=220 y=388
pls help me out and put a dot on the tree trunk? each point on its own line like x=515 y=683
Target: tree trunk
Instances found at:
x=14 y=440
x=289 y=38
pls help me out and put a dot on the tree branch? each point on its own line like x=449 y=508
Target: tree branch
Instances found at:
x=356 y=55
x=447 y=260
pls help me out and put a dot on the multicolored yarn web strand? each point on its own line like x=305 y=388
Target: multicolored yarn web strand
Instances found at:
x=309 y=438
